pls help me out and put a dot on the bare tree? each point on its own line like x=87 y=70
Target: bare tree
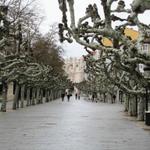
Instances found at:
x=33 y=62
x=120 y=62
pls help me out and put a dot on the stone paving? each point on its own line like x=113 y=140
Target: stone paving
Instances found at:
x=74 y=125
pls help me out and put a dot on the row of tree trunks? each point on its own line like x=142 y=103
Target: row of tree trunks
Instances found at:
x=135 y=106
x=30 y=95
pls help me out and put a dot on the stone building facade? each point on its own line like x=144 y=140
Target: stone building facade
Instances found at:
x=74 y=68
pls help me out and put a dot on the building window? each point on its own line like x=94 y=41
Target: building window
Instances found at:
x=148 y=33
x=145 y=48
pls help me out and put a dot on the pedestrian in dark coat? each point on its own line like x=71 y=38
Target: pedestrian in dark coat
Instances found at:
x=114 y=98
x=76 y=95
x=68 y=93
x=62 y=96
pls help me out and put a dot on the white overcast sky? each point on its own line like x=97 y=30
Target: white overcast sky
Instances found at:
x=53 y=15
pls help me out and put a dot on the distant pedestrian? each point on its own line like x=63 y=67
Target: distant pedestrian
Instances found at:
x=68 y=93
x=93 y=97
x=76 y=95
x=114 y=99
x=68 y=97
x=62 y=96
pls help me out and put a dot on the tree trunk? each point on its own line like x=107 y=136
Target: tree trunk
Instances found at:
x=111 y=97
x=55 y=95
x=22 y=95
x=51 y=95
x=104 y=97
x=140 y=116
x=121 y=96
x=38 y=96
x=4 y=100
x=41 y=96
x=48 y=93
x=126 y=102
x=33 y=96
x=118 y=96
x=132 y=106
x=59 y=94
x=28 y=96
x=46 y=96
x=16 y=97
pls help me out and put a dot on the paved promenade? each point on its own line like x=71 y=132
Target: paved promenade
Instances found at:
x=74 y=125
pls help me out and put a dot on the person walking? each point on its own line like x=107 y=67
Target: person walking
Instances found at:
x=76 y=96
x=68 y=93
x=93 y=97
x=114 y=98
x=62 y=96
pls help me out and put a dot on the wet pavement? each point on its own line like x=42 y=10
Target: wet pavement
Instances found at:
x=74 y=125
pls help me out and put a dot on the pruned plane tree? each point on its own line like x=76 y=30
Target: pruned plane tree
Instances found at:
x=32 y=62
x=118 y=63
